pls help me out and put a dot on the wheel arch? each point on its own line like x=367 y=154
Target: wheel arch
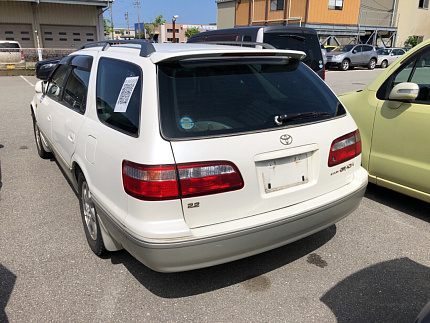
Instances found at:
x=109 y=242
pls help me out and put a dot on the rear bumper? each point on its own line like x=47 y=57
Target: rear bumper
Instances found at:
x=194 y=253
x=20 y=64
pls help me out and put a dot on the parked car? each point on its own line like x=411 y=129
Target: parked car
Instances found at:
x=324 y=54
x=191 y=155
x=44 y=68
x=11 y=54
x=279 y=36
x=393 y=116
x=388 y=55
x=345 y=57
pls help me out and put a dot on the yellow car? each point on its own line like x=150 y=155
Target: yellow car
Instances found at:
x=393 y=115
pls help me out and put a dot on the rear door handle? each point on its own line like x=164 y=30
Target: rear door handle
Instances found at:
x=71 y=137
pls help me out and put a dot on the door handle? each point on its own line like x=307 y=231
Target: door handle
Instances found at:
x=48 y=117
x=71 y=137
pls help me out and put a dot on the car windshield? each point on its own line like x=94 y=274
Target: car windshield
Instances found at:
x=345 y=48
x=9 y=47
x=215 y=98
x=384 y=51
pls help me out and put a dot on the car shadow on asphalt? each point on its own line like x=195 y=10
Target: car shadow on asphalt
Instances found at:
x=7 y=282
x=249 y=271
x=391 y=291
x=399 y=202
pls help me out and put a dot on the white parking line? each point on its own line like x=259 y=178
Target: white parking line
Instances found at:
x=27 y=80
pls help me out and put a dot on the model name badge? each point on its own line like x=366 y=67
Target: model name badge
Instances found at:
x=193 y=205
x=342 y=169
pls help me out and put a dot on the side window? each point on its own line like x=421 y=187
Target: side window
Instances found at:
x=75 y=91
x=366 y=49
x=55 y=86
x=417 y=71
x=358 y=49
x=119 y=89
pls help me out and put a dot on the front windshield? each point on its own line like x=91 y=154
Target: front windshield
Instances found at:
x=384 y=51
x=345 y=48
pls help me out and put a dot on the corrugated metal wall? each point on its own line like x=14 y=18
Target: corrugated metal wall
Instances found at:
x=319 y=13
x=15 y=12
x=63 y=14
x=16 y=16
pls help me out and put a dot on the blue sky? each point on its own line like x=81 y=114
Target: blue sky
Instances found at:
x=200 y=12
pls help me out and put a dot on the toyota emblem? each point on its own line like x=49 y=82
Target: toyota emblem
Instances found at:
x=286 y=139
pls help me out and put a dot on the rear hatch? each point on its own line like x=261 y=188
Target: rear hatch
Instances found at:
x=266 y=121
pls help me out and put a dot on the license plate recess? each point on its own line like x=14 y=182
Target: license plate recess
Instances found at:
x=284 y=172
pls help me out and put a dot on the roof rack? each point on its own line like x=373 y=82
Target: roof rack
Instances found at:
x=146 y=48
x=239 y=43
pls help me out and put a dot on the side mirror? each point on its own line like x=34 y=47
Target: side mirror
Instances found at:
x=38 y=88
x=405 y=91
x=354 y=51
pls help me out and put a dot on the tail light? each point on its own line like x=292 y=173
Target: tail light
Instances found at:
x=345 y=148
x=165 y=182
x=22 y=55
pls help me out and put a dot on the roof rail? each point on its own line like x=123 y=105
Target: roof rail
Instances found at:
x=239 y=43
x=146 y=48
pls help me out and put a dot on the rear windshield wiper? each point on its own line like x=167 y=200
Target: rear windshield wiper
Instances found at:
x=279 y=120
x=301 y=38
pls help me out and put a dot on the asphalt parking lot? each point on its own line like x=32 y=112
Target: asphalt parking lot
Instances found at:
x=373 y=266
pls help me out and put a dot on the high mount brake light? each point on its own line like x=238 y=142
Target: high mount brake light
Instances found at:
x=246 y=54
x=345 y=148
x=165 y=182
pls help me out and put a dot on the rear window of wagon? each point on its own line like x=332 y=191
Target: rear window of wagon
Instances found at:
x=214 y=98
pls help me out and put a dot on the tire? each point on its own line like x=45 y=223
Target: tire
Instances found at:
x=89 y=218
x=384 y=64
x=39 y=144
x=344 y=66
x=372 y=64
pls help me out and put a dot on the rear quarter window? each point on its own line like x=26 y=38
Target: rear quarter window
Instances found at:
x=209 y=100
x=119 y=91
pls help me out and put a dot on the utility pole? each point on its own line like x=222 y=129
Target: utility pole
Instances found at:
x=128 y=24
x=111 y=18
x=137 y=5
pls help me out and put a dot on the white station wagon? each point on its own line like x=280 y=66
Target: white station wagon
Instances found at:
x=192 y=155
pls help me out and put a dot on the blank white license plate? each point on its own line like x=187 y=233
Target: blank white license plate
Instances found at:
x=282 y=173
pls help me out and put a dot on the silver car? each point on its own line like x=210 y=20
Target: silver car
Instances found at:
x=388 y=55
x=344 y=57
x=11 y=54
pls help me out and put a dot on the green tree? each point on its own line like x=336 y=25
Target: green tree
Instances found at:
x=151 y=27
x=107 y=25
x=191 y=31
x=411 y=41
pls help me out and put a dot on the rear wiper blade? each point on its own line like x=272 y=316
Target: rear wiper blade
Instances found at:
x=301 y=38
x=279 y=120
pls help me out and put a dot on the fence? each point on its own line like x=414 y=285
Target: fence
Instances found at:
x=31 y=55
